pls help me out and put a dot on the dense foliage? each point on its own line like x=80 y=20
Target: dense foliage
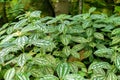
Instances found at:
x=81 y=47
x=9 y=9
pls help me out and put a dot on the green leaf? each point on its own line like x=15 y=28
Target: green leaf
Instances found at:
x=22 y=76
x=66 y=50
x=47 y=60
x=37 y=72
x=95 y=25
x=97 y=65
x=9 y=30
x=87 y=53
x=99 y=71
x=58 y=54
x=8 y=38
x=22 y=60
x=62 y=28
x=42 y=61
x=29 y=27
x=51 y=47
x=2 y=32
x=62 y=70
x=79 y=39
x=21 y=41
x=48 y=70
x=108 y=28
x=104 y=52
x=9 y=57
x=9 y=74
x=73 y=77
x=51 y=59
x=117 y=9
x=78 y=47
x=54 y=20
x=86 y=24
x=42 y=43
x=20 y=24
x=49 y=77
x=99 y=35
x=1 y=60
x=62 y=17
x=48 y=29
x=118 y=77
x=100 y=46
x=41 y=27
x=75 y=54
x=117 y=62
x=89 y=32
x=0 y=68
x=65 y=39
x=92 y=9
x=97 y=77
x=85 y=16
x=80 y=64
x=111 y=76
x=92 y=44
x=97 y=16
x=116 y=31
x=35 y=14
x=33 y=37
x=115 y=40
x=4 y=26
x=6 y=50
x=75 y=29
x=116 y=20
x=46 y=18
x=73 y=67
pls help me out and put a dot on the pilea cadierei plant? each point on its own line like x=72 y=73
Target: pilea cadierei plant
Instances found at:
x=65 y=47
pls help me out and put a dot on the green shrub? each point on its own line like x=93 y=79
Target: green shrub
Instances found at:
x=81 y=47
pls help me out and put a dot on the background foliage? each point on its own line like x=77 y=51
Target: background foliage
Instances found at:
x=9 y=9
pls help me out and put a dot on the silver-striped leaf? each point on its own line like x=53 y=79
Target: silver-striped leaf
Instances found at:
x=116 y=31
x=7 y=38
x=96 y=65
x=104 y=52
x=79 y=39
x=73 y=77
x=98 y=77
x=65 y=39
x=9 y=74
x=98 y=35
x=22 y=60
x=115 y=40
x=21 y=41
x=62 y=70
x=111 y=76
x=117 y=61
x=49 y=77
x=20 y=24
x=22 y=76
x=66 y=50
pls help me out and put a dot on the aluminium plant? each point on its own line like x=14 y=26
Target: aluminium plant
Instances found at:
x=65 y=47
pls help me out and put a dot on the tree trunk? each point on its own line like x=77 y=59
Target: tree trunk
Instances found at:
x=4 y=12
x=80 y=6
x=61 y=7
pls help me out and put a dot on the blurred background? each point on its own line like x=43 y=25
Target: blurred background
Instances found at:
x=9 y=9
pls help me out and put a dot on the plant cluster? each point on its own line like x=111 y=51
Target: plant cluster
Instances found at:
x=80 y=47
